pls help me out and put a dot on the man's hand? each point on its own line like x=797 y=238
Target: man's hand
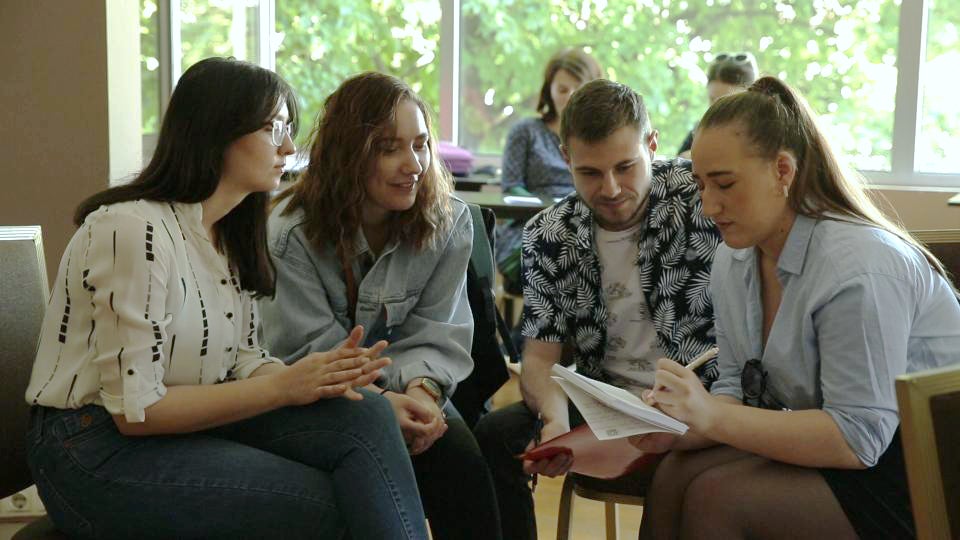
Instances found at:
x=556 y=465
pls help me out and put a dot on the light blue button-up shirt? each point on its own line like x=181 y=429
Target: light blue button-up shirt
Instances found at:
x=421 y=295
x=859 y=307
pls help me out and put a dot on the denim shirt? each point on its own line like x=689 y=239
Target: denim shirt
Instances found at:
x=422 y=294
x=859 y=307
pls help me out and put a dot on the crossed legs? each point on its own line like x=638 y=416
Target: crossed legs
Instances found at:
x=722 y=492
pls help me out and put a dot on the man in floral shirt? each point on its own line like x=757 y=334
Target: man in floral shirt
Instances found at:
x=618 y=272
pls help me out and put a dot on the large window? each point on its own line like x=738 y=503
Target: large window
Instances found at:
x=175 y=34
x=938 y=150
x=323 y=42
x=842 y=58
x=877 y=71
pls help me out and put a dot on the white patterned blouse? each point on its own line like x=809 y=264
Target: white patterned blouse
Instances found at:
x=142 y=301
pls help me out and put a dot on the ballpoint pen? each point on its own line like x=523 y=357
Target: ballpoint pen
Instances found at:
x=537 y=428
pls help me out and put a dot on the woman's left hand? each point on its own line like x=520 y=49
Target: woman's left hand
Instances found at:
x=678 y=392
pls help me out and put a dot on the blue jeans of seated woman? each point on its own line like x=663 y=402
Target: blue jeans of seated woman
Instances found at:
x=319 y=471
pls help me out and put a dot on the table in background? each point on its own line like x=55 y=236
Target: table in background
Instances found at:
x=503 y=210
x=475 y=182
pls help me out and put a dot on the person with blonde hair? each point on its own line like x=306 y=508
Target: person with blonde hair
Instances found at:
x=820 y=303
x=371 y=235
x=156 y=412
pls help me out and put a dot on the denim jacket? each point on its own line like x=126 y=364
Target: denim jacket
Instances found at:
x=562 y=293
x=423 y=296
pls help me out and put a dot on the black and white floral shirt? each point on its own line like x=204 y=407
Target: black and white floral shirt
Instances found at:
x=562 y=293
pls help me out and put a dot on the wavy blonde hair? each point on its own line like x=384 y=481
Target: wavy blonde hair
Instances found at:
x=343 y=154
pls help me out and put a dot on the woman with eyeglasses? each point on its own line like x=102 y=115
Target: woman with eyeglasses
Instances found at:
x=727 y=74
x=156 y=413
x=371 y=235
x=820 y=302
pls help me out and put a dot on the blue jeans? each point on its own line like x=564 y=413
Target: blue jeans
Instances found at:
x=316 y=471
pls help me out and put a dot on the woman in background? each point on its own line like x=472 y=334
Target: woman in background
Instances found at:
x=820 y=303
x=371 y=235
x=532 y=162
x=156 y=414
x=727 y=74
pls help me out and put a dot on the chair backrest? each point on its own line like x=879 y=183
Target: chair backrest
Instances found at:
x=945 y=245
x=929 y=404
x=23 y=295
x=490 y=332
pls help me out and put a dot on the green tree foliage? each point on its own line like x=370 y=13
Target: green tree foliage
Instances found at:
x=841 y=55
x=327 y=41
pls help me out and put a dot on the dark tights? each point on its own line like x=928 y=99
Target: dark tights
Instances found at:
x=722 y=492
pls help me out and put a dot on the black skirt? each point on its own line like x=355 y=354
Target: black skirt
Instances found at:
x=876 y=500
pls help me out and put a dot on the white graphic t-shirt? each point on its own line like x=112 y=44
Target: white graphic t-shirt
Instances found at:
x=632 y=349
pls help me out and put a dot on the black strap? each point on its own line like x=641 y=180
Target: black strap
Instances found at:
x=481 y=259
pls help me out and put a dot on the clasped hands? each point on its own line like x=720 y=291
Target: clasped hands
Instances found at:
x=335 y=373
x=420 y=418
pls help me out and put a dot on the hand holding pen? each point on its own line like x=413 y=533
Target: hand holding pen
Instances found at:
x=556 y=465
x=678 y=391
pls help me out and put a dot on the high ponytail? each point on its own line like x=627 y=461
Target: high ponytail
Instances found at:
x=776 y=117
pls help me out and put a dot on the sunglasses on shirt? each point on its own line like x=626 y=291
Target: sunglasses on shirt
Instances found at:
x=753 y=385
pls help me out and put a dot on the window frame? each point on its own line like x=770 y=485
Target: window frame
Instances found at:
x=911 y=51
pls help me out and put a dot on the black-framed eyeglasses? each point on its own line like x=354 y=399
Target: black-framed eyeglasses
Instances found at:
x=738 y=58
x=753 y=383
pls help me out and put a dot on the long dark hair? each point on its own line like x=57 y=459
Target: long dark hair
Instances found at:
x=776 y=117
x=216 y=101
x=343 y=154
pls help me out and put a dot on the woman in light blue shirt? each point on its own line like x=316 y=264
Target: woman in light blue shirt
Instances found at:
x=370 y=235
x=820 y=303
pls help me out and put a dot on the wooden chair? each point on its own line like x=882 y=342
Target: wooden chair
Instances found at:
x=629 y=489
x=929 y=404
x=23 y=295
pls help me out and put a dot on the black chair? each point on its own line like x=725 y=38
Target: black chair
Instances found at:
x=23 y=295
x=491 y=337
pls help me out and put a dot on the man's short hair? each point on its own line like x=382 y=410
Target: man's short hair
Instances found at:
x=601 y=107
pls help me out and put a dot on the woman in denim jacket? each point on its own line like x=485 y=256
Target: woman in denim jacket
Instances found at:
x=370 y=235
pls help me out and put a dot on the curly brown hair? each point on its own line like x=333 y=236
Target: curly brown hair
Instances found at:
x=343 y=154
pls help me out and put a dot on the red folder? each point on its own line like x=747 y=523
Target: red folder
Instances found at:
x=593 y=457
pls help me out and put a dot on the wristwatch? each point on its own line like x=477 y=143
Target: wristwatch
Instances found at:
x=429 y=386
